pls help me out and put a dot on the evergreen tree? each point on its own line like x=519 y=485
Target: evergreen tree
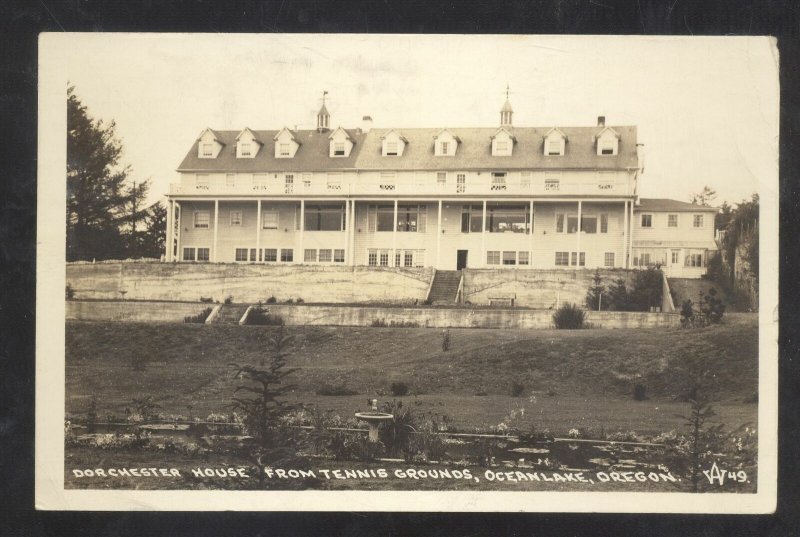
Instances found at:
x=152 y=239
x=101 y=206
x=705 y=196
x=595 y=295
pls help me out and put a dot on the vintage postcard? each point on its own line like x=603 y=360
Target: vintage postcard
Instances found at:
x=407 y=272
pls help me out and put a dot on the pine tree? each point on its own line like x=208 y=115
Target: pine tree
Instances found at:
x=152 y=239
x=101 y=205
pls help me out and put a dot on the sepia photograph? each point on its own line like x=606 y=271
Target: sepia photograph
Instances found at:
x=419 y=269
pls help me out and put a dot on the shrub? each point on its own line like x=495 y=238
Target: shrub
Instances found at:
x=639 y=392
x=334 y=390
x=647 y=289
x=569 y=316
x=687 y=313
x=445 y=340
x=712 y=307
x=229 y=299
x=517 y=389
x=404 y=324
x=69 y=292
x=396 y=434
x=272 y=300
x=618 y=296
x=379 y=323
x=289 y=301
x=259 y=317
x=200 y=318
x=595 y=296
x=206 y=300
x=300 y=300
x=399 y=389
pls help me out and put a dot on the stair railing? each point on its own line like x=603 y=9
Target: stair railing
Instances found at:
x=430 y=287
x=460 y=292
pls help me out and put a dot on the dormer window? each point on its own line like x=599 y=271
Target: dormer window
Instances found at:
x=338 y=149
x=208 y=150
x=607 y=142
x=284 y=148
x=554 y=147
x=445 y=144
x=445 y=148
x=340 y=143
x=286 y=144
x=246 y=150
x=391 y=149
x=502 y=147
x=607 y=147
x=208 y=144
x=393 y=144
x=555 y=142
x=247 y=144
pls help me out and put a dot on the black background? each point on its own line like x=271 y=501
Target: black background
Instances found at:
x=20 y=23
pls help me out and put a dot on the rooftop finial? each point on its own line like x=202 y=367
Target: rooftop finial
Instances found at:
x=507 y=88
x=323 y=117
x=506 y=112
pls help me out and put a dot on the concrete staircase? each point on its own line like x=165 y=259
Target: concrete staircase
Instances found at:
x=445 y=286
x=230 y=314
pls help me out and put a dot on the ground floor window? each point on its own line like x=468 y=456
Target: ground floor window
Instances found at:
x=694 y=259
x=324 y=218
x=188 y=254
x=562 y=259
x=324 y=256
x=408 y=259
x=577 y=260
x=676 y=255
x=287 y=255
x=608 y=260
x=372 y=258
x=509 y=258
x=493 y=257
x=241 y=254
x=338 y=256
x=522 y=258
x=270 y=255
x=384 y=258
x=310 y=256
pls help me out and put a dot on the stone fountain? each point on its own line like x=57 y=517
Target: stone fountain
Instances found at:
x=373 y=418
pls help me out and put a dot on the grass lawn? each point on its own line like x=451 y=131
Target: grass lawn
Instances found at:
x=580 y=378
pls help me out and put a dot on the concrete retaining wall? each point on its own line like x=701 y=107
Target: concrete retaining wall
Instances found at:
x=460 y=317
x=170 y=312
x=541 y=289
x=247 y=283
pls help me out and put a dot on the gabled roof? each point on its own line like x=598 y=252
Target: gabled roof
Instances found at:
x=213 y=132
x=505 y=130
x=667 y=205
x=390 y=131
x=599 y=134
x=286 y=129
x=559 y=131
x=448 y=131
x=346 y=133
x=252 y=135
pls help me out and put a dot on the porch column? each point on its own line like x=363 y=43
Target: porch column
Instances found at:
x=439 y=236
x=353 y=233
x=302 y=252
x=625 y=235
x=259 y=254
x=168 y=233
x=580 y=225
x=178 y=253
x=347 y=224
x=216 y=225
x=483 y=236
x=530 y=239
x=394 y=237
x=630 y=233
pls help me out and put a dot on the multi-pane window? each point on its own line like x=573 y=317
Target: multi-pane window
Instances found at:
x=675 y=257
x=672 y=220
x=384 y=258
x=269 y=219
x=523 y=258
x=607 y=147
x=579 y=259
x=310 y=256
x=259 y=181
x=697 y=220
x=647 y=220
x=338 y=149
x=287 y=255
x=391 y=148
x=324 y=218
x=608 y=259
x=572 y=224
x=498 y=181
x=201 y=182
x=246 y=150
x=385 y=217
x=253 y=252
x=236 y=218
x=445 y=148
x=372 y=257
x=284 y=150
x=338 y=256
x=471 y=218
x=408 y=258
x=441 y=179
x=554 y=147
x=603 y=223
x=501 y=146
x=509 y=258
x=208 y=150
x=334 y=181
x=230 y=180
x=325 y=255
x=493 y=257
x=461 y=183
x=288 y=185
x=188 y=254
x=552 y=184
x=202 y=219
x=270 y=255
x=410 y=217
x=241 y=254
x=397 y=258
x=512 y=219
x=562 y=259
x=694 y=259
x=589 y=224
x=644 y=260
x=203 y=254
x=559 y=223
x=387 y=181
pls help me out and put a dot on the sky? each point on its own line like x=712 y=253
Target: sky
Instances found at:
x=706 y=107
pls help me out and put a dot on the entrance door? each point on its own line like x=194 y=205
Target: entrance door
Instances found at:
x=461 y=262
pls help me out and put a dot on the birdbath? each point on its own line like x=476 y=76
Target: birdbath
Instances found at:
x=373 y=419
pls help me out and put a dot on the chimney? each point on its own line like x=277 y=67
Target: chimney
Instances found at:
x=601 y=121
x=366 y=123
